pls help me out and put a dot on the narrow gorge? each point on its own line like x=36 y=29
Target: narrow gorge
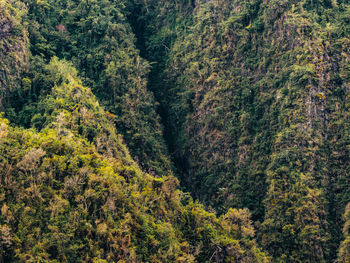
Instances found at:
x=174 y=131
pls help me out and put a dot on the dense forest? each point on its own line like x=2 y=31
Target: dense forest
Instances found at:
x=175 y=131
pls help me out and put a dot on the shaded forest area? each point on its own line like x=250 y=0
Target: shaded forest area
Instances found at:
x=114 y=109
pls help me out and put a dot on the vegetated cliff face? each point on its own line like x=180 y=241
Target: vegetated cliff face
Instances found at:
x=13 y=47
x=71 y=193
x=258 y=95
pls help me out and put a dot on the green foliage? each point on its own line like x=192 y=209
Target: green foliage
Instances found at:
x=254 y=99
x=13 y=47
x=97 y=39
x=255 y=90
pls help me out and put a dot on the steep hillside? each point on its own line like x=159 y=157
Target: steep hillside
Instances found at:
x=96 y=37
x=257 y=96
x=72 y=193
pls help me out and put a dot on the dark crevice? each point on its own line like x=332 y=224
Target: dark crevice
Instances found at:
x=138 y=26
x=156 y=84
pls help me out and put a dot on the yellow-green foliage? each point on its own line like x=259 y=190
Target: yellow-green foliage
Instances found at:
x=344 y=251
x=72 y=193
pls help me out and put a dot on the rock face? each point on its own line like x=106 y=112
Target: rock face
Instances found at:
x=13 y=48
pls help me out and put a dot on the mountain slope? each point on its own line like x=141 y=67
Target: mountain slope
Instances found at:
x=72 y=193
x=248 y=99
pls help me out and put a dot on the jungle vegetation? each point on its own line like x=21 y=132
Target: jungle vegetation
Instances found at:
x=175 y=131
